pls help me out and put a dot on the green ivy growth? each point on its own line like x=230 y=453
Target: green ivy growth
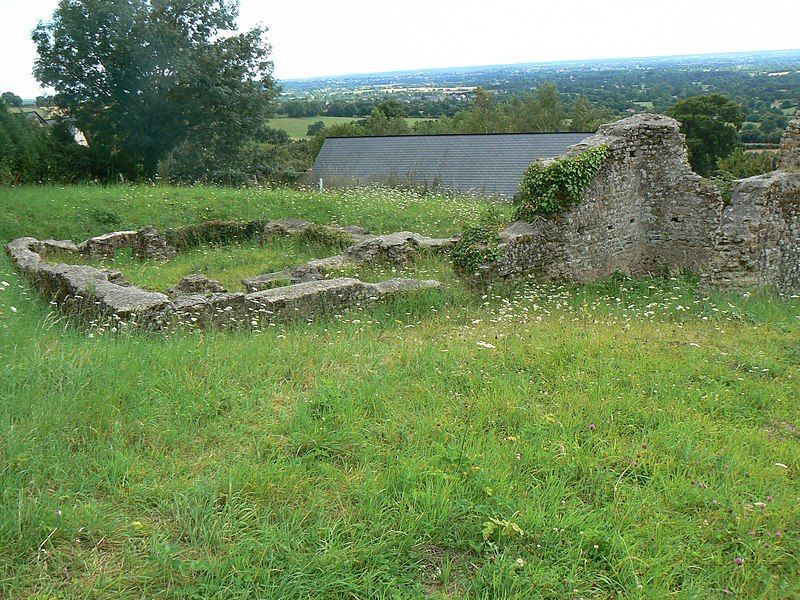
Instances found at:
x=479 y=244
x=547 y=189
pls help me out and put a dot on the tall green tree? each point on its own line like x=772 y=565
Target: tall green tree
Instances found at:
x=143 y=77
x=586 y=116
x=711 y=125
x=481 y=117
x=11 y=99
x=546 y=112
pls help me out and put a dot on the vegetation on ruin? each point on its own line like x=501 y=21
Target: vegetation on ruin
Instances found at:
x=479 y=243
x=631 y=438
x=552 y=186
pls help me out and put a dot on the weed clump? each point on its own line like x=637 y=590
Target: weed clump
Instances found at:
x=479 y=244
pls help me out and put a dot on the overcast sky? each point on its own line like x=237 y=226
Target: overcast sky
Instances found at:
x=359 y=36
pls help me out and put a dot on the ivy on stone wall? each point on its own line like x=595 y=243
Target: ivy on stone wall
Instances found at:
x=547 y=188
x=479 y=244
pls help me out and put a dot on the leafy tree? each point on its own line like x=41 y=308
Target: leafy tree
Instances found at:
x=143 y=77
x=32 y=154
x=300 y=108
x=386 y=119
x=546 y=111
x=711 y=124
x=586 y=116
x=11 y=99
x=392 y=109
x=481 y=116
x=741 y=164
x=42 y=101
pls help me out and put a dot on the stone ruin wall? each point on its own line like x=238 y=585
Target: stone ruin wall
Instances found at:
x=759 y=238
x=647 y=212
x=790 y=147
x=103 y=298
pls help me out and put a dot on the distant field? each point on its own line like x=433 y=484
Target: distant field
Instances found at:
x=298 y=127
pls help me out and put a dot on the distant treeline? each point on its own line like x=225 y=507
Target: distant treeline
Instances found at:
x=358 y=108
x=769 y=101
x=542 y=110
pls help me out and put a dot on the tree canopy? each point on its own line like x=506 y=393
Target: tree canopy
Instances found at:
x=711 y=124
x=142 y=78
x=11 y=99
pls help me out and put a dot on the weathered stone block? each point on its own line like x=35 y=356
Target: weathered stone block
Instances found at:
x=196 y=284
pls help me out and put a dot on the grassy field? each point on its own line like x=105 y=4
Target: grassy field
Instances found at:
x=627 y=439
x=297 y=127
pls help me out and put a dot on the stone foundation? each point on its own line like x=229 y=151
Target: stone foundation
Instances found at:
x=102 y=297
x=398 y=249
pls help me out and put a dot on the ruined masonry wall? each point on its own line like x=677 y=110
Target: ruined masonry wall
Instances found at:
x=759 y=237
x=645 y=210
x=790 y=147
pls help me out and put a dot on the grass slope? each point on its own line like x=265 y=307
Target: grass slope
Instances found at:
x=632 y=438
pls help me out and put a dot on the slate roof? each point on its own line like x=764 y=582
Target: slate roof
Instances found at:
x=490 y=163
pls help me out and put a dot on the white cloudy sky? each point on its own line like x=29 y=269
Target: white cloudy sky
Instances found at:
x=352 y=36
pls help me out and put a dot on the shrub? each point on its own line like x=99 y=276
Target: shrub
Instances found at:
x=741 y=164
x=548 y=188
x=479 y=244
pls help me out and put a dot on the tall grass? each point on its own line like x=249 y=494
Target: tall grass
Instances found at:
x=628 y=439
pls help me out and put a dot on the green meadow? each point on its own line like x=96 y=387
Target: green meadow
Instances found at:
x=633 y=438
x=297 y=127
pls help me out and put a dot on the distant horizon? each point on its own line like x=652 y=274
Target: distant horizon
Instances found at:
x=360 y=37
x=541 y=62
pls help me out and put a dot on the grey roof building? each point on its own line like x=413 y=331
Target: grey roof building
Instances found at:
x=488 y=163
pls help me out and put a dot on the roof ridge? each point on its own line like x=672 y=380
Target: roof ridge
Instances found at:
x=417 y=135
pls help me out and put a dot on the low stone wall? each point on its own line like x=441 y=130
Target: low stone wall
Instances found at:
x=93 y=295
x=398 y=249
x=102 y=297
